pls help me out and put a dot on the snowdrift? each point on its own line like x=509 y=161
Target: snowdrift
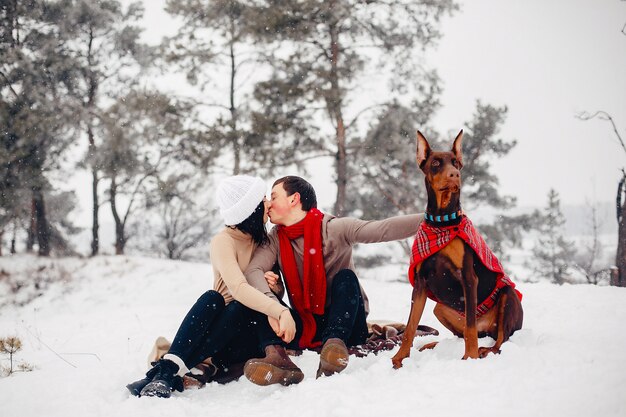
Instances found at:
x=90 y=331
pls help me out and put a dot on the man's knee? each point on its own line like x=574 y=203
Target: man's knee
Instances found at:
x=235 y=307
x=346 y=280
x=212 y=300
x=237 y=312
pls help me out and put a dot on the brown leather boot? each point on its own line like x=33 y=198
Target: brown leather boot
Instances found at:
x=274 y=368
x=333 y=357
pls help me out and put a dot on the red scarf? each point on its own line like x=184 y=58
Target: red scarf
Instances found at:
x=431 y=239
x=308 y=296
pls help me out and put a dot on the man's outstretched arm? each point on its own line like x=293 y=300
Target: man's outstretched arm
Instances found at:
x=393 y=228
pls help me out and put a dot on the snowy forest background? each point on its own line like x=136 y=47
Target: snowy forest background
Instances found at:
x=81 y=94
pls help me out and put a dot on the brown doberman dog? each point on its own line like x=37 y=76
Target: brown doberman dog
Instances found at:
x=453 y=266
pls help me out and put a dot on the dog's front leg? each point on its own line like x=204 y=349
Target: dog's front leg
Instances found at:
x=470 y=292
x=418 y=301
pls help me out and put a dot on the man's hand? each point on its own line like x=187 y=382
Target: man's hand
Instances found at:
x=273 y=281
x=284 y=327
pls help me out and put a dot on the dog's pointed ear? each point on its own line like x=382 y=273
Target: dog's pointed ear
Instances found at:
x=456 y=148
x=423 y=149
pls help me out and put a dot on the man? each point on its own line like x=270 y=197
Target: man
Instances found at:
x=314 y=252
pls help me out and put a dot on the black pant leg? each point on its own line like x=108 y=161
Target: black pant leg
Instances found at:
x=359 y=330
x=194 y=327
x=242 y=347
x=236 y=319
x=345 y=317
x=268 y=337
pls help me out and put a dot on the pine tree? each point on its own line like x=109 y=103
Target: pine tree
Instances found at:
x=322 y=51
x=387 y=180
x=102 y=38
x=213 y=48
x=185 y=213
x=36 y=75
x=552 y=253
x=141 y=133
x=480 y=147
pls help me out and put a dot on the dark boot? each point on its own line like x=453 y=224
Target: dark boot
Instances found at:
x=333 y=357
x=136 y=387
x=274 y=368
x=212 y=373
x=194 y=379
x=231 y=373
x=165 y=380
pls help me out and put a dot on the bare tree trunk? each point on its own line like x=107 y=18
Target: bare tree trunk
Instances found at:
x=120 y=239
x=32 y=225
x=95 y=225
x=13 y=239
x=233 y=109
x=14 y=24
x=342 y=169
x=43 y=229
x=620 y=258
x=90 y=105
x=614 y=277
x=13 y=251
x=335 y=105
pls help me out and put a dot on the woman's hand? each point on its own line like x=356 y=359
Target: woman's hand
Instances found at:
x=274 y=324
x=287 y=326
x=284 y=327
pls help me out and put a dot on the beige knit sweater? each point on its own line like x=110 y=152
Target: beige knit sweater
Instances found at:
x=231 y=251
x=339 y=235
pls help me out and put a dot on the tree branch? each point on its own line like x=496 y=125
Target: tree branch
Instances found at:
x=148 y=174
x=382 y=190
x=221 y=106
x=354 y=119
x=9 y=85
x=320 y=46
x=602 y=115
x=294 y=162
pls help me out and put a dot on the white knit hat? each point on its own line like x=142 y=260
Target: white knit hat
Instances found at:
x=238 y=196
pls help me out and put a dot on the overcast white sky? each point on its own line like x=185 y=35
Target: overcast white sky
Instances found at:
x=546 y=60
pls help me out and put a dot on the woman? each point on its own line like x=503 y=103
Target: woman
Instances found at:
x=220 y=325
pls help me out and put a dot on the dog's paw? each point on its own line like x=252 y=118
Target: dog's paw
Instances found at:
x=397 y=362
x=484 y=351
x=430 y=345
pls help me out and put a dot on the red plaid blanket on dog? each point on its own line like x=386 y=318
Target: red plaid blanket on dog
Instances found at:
x=430 y=240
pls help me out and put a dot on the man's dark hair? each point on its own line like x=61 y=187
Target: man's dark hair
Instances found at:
x=254 y=225
x=293 y=184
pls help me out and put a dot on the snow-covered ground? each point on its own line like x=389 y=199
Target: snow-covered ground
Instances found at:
x=90 y=333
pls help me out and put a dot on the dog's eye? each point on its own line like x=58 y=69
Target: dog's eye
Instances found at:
x=455 y=163
x=436 y=163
